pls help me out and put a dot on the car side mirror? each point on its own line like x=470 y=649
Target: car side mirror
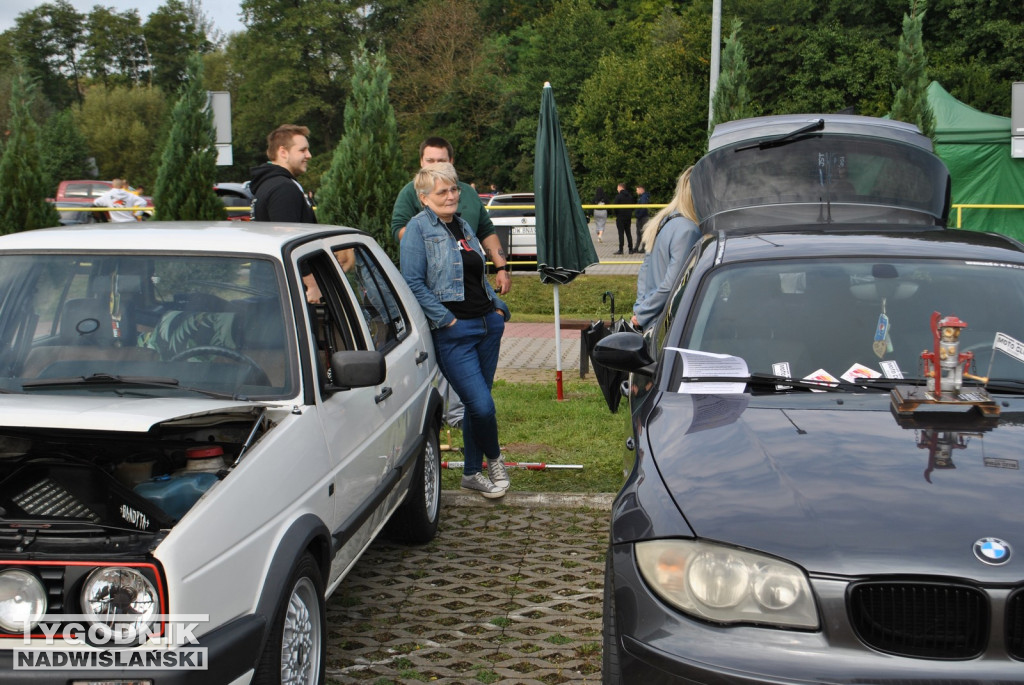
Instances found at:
x=626 y=351
x=357 y=369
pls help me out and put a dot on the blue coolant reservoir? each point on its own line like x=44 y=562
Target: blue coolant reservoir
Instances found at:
x=176 y=494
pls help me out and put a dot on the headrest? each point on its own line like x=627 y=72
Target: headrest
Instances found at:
x=86 y=322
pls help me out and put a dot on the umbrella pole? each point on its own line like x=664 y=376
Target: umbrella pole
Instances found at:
x=558 y=347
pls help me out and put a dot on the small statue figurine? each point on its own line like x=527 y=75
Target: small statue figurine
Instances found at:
x=946 y=367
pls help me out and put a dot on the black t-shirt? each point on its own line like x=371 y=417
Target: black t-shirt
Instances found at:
x=476 y=303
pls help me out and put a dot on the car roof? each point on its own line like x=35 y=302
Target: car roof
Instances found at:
x=250 y=237
x=931 y=243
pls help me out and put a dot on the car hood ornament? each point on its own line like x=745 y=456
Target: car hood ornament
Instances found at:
x=992 y=551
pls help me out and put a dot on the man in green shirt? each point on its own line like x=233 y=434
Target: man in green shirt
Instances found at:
x=432 y=151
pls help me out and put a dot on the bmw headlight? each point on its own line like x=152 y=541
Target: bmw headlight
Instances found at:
x=120 y=598
x=22 y=600
x=727 y=585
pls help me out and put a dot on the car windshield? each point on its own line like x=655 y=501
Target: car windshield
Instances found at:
x=822 y=179
x=819 y=315
x=209 y=324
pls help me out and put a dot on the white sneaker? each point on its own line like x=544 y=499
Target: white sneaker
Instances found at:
x=479 y=483
x=498 y=473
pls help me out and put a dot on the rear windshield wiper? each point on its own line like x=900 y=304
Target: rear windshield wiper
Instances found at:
x=112 y=379
x=783 y=140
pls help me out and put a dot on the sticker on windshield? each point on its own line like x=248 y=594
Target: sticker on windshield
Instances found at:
x=859 y=371
x=822 y=377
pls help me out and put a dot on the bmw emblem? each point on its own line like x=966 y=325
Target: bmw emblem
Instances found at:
x=992 y=551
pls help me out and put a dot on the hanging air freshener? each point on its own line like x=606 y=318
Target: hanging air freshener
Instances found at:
x=882 y=343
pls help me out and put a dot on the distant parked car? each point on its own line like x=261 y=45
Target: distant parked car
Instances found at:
x=517 y=228
x=72 y=194
x=235 y=195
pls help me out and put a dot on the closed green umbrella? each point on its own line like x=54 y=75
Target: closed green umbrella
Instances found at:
x=564 y=247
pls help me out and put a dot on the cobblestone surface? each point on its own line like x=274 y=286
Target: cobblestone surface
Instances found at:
x=506 y=593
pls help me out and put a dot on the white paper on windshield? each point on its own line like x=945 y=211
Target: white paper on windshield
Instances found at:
x=710 y=365
x=859 y=371
x=891 y=369
x=1009 y=346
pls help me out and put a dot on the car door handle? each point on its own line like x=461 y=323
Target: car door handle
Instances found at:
x=421 y=357
x=384 y=394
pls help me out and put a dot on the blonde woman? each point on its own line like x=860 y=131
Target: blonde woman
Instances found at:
x=675 y=232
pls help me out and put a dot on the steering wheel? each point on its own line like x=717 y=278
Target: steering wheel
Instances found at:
x=260 y=376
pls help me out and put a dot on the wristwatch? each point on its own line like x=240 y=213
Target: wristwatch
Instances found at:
x=507 y=268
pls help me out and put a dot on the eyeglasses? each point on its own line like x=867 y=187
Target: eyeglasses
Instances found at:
x=444 y=192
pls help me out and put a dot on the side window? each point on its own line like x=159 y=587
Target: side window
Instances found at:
x=325 y=301
x=375 y=298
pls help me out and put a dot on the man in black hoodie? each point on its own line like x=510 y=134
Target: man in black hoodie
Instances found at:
x=277 y=196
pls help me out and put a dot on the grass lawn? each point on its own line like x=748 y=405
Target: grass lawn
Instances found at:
x=534 y=426
x=533 y=302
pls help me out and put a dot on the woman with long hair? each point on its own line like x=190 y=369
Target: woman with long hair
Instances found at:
x=675 y=232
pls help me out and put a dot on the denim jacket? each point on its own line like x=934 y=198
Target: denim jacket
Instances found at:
x=432 y=266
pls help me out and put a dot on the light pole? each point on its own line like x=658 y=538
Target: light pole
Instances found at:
x=716 y=50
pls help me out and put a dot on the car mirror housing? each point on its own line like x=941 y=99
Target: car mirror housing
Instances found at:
x=357 y=369
x=624 y=351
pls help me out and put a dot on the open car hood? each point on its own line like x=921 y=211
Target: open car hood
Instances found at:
x=105 y=413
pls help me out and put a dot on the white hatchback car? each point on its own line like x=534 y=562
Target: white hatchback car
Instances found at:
x=516 y=224
x=202 y=422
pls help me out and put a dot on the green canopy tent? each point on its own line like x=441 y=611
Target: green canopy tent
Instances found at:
x=976 y=148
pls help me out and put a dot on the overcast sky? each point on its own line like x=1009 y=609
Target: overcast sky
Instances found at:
x=223 y=13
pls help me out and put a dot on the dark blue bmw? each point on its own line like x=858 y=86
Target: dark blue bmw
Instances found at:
x=826 y=427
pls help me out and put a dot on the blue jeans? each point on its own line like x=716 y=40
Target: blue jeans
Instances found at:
x=467 y=353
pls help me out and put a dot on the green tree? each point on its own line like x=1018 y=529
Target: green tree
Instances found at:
x=366 y=172
x=115 y=49
x=48 y=40
x=188 y=169
x=579 y=34
x=122 y=126
x=65 y=154
x=24 y=185
x=643 y=119
x=911 y=102
x=732 y=92
x=174 y=32
x=291 y=66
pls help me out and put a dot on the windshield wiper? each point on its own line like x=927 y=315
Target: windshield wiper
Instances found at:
x=788 y=138
x=99 y=379
x=1005 y=385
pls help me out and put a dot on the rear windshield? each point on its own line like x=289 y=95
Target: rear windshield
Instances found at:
x=494 y=207
x=821 y=179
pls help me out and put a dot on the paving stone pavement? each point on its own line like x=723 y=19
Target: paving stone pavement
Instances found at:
x=509 y=592
x=506 y=593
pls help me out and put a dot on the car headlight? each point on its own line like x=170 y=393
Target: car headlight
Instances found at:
x=22 y=600
x=727 y=585
x=120 y=598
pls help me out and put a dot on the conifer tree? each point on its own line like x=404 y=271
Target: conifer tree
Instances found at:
x=24 y=185
x=65 y=150
x=366 y=173
x=732 y=92
x=911 y=102
x=188 y=166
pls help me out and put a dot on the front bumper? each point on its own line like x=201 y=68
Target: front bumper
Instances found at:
x=660 y=645
x=232 y=651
